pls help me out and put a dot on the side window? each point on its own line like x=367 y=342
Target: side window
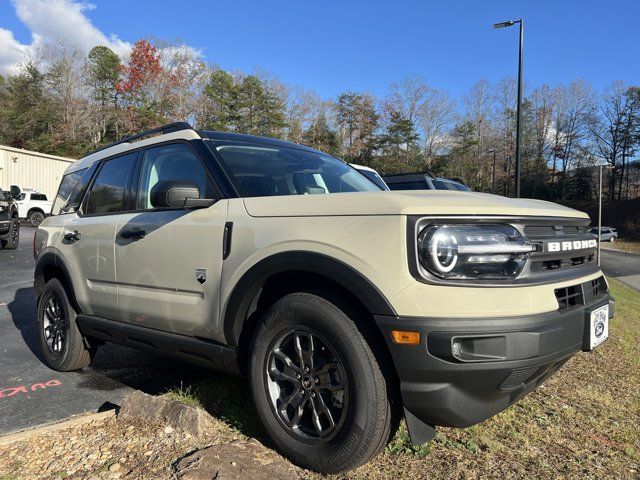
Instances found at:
x=107 y=192
x=38 y=196
x=67 y=186
x=171 y=162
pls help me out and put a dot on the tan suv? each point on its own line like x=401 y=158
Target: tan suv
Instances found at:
x=344 y=305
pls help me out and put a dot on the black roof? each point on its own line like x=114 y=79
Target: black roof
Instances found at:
x=245 y=138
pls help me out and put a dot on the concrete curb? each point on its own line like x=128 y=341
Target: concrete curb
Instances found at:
x=54 y=427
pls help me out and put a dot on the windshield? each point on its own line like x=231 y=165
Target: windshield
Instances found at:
x=374 y=177
x=448 y=185
x=266 y=170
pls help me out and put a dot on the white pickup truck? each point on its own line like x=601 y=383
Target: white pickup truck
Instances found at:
x=33 y=206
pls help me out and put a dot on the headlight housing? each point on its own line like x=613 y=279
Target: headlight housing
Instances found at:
x=460 y=251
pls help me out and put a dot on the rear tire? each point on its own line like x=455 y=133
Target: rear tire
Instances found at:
x=611 y=240
x=36 y=218
x=343 y=378
x=13 y=237
x=63 y=346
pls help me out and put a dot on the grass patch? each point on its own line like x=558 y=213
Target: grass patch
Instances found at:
x=187 y=395
x=631 y=246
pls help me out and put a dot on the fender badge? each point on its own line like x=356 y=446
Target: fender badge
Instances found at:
x=201 y=275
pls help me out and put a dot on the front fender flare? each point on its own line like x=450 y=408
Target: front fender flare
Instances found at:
x=235 y=311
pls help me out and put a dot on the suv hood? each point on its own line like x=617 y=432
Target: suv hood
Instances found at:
x=428 y=202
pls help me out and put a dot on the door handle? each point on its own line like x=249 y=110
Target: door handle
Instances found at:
x=133 y=234
x=72 y=236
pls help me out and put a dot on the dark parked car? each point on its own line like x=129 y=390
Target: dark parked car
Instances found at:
x=9 y=222
x=423 y=181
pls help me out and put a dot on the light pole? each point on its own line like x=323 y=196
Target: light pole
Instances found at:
x=493 y=172
x=509 y=23
x=600 y=168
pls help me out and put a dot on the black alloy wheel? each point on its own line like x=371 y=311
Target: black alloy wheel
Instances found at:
x=307 y=385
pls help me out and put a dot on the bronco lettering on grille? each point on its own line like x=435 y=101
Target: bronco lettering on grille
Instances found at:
x=572 y=245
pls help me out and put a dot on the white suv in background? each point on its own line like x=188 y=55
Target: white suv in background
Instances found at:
x=33 y=206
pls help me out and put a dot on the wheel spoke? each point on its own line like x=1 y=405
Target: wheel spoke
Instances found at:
x=284 y=358
x=47 y=332
x=319 y=409
x=276 y=374
x=305 y=354
x=295 y=421
x=54 y=342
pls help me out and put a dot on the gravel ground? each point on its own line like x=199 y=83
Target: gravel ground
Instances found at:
x=101 y=449
x=125 y=448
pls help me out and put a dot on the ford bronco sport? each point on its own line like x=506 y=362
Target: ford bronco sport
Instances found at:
x=343 y=304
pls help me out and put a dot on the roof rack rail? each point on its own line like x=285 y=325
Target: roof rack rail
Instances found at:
x=169 y=128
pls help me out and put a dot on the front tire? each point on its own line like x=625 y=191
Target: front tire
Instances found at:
x=36 y=218
x=317 y=385
x=13 y=237
x=61 y=343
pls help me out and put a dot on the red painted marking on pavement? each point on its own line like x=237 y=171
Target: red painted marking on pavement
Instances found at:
x=12 y=391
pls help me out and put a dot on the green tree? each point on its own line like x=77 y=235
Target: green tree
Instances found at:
x=358 y=122
x=221 y=94
x=30 y=112
x=261 y=110
x=103 y=73
x=320 y=136
x=400 y=138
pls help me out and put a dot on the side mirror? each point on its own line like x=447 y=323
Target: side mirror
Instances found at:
x=15 y=192
x=178 y=194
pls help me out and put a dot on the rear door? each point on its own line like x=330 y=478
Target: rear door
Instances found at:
x=88 y=241
x=169 y=260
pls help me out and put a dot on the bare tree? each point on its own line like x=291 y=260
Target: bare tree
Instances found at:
x=437 y=115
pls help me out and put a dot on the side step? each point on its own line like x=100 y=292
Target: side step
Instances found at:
x=205 y=353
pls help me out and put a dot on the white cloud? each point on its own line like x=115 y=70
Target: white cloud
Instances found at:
x=54 y=22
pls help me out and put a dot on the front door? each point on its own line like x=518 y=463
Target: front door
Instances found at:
x=169 y=260
x=87 y=244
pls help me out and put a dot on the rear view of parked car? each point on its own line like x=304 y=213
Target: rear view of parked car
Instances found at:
x=33 y=206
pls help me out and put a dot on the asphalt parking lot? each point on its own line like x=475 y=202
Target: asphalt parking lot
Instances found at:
x=31 y=394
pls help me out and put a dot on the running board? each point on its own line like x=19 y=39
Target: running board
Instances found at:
x=204 y=353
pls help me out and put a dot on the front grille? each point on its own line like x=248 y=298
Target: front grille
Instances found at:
x=535 y=232
x=562 y=263
x=580 y=294
x=518 y=377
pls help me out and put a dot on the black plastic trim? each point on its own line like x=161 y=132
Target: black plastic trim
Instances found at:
x=440 y=387
x=51 y=259
x=205 y=353
x=226 y=239
x=252 y=281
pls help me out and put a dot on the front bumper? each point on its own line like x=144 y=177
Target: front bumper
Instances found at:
x=467 y=370
x=5 y=226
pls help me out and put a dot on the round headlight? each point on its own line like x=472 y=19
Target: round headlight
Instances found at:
x=443 y=251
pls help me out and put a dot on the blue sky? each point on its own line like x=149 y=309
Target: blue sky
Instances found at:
x=331 y=46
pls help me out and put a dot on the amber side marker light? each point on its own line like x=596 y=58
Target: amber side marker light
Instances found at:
x=405 y=338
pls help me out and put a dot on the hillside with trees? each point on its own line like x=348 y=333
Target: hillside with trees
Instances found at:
x=67 y=103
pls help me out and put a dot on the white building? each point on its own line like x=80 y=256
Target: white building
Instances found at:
x=34 y=170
